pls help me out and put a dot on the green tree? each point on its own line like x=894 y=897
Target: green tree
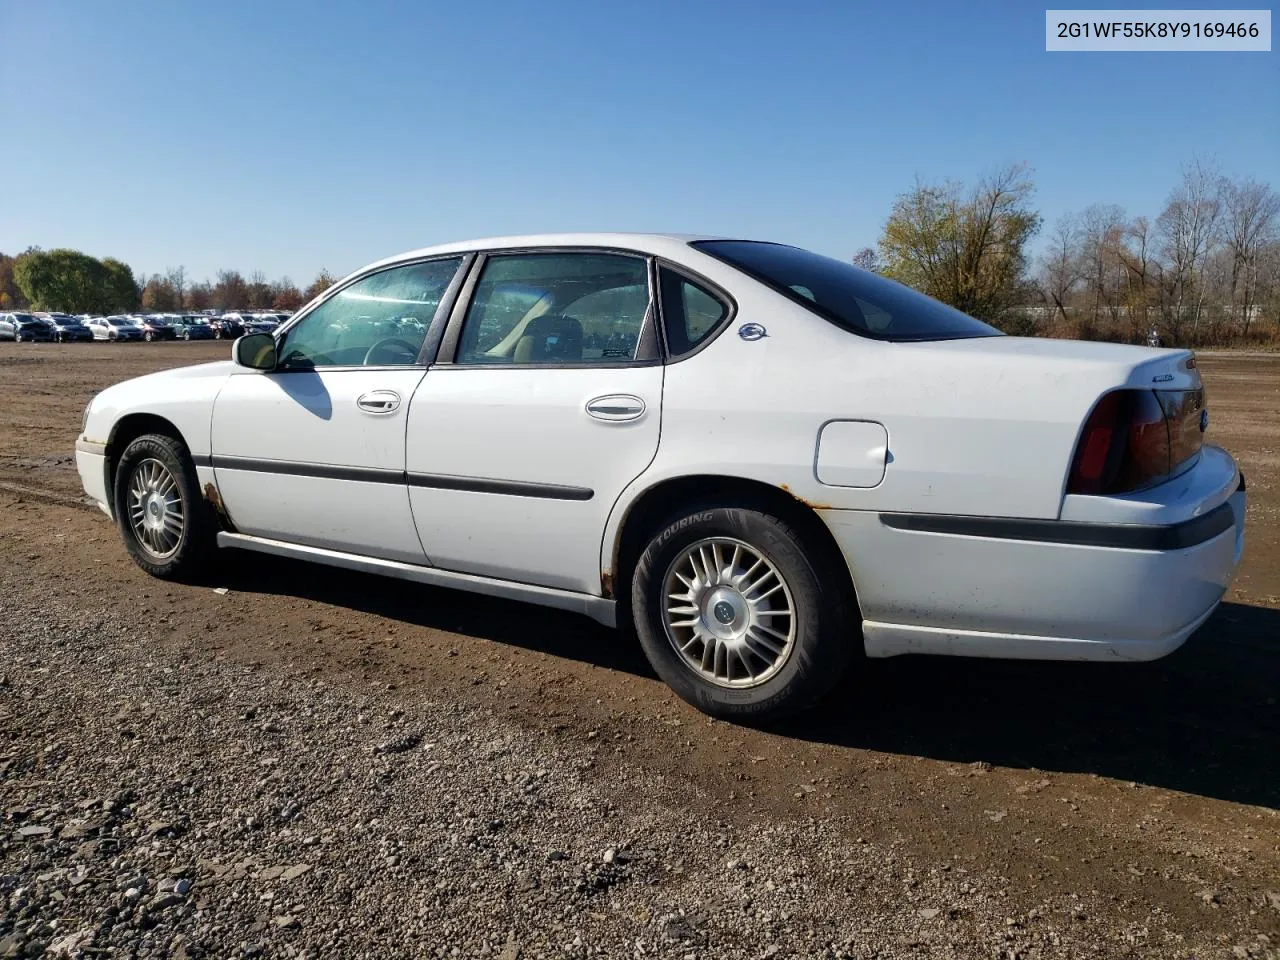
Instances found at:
x=965 y=246
x=122 y=293
x=62 y=280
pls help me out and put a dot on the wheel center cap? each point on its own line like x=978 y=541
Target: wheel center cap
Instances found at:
x=723 y=611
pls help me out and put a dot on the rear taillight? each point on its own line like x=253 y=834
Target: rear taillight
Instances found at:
x=1136 y=438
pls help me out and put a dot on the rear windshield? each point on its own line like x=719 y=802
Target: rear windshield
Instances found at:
x=855 y=299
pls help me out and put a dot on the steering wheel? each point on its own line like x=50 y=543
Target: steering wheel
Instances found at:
x=406 y=352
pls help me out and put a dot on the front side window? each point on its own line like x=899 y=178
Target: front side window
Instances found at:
x=690 y=313
x=556 y=308
x=859 y=301
x=380 y=320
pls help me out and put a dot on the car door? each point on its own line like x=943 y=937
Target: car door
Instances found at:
x=313 y=452
x=544 y=403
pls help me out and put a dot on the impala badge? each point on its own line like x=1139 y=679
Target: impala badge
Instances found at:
x=752 y=331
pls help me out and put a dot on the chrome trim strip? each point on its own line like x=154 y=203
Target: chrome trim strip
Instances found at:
x=597 y=608
x=91 y=446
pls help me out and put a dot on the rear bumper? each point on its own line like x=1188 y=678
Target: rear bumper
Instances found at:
x=934 y=589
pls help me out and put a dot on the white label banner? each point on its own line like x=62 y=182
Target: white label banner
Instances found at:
x=1157 y=30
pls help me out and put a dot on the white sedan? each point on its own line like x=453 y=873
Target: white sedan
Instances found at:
x=115 y=328
x=770 y=461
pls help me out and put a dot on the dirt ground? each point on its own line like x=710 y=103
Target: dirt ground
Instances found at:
x=1152 y=788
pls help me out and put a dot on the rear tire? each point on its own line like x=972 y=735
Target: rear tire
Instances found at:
x=734 y=614
x=165 y=523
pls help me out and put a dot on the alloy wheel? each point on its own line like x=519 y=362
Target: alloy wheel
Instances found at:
x=729 y=613
x=156 y=513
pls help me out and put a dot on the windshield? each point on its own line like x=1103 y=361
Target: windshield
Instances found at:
x=857 y=300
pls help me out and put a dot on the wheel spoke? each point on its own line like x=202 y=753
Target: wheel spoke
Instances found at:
x=748 y=572
x=709 y=655
x=755 y=635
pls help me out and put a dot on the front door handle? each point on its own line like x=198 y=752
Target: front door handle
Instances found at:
x=616 y=407
x=379 y=401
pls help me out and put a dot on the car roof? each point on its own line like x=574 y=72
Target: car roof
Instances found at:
x=668 y=244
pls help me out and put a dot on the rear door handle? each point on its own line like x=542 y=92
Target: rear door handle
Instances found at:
x=616 y=407
x=379 y=401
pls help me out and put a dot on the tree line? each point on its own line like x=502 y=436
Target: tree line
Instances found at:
x=73 y=282
x=1205 y=271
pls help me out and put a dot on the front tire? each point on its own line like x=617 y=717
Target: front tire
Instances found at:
x=17 y=338
x=733 y=612
x=164 y=521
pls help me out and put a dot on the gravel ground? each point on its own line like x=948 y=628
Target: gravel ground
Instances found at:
x=160 y=805
x=311 y=762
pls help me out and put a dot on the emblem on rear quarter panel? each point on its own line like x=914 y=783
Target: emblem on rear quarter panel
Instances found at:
x=752 y=331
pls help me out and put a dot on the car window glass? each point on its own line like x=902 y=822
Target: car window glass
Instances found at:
x=689 y=313
x=854 y=299
x=556 y=308
x=379 y=320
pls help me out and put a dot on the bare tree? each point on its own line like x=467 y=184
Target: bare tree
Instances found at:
x=868 y=259
x=1142 y=274
x=1102 y=229
x=1189 y=227
x=1251 y=216
x=1060 y=267
x=176 y=277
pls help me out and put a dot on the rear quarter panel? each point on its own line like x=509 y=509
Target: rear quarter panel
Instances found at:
x=979 y=427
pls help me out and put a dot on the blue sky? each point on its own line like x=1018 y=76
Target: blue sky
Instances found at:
x=290 y=136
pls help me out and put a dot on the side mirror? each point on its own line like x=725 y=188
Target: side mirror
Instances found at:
x=257 y=351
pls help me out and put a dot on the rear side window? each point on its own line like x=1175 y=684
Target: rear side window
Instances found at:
x=859 y=301
x=690 y=313
x=556 y=308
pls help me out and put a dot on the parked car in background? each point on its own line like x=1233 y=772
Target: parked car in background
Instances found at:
x=115 y=328
x=771 y=461
x=227 y=327
x=68 y=329
x=192 y=326
x=156 y=328
x=21 y=327
x=260 y=323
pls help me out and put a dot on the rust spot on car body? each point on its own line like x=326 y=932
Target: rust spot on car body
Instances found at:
x=606 y=584
x=814 y=505
x=211 y=494
x=808 y=503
